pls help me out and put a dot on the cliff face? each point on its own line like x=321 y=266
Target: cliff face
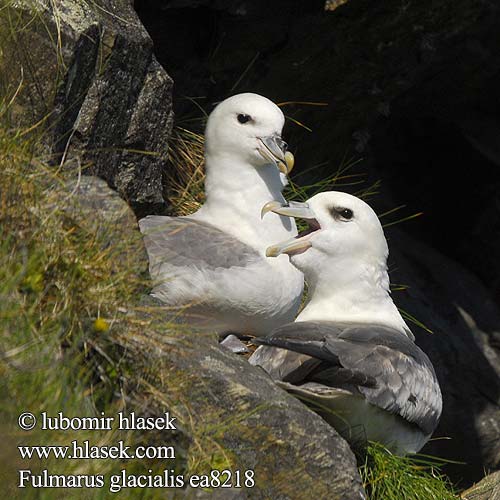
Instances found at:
x=413 y=92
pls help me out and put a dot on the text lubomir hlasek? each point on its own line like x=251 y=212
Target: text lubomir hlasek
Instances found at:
x=125 y=422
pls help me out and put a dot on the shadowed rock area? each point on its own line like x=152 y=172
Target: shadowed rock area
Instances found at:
x=412 y=94
x=457 y=308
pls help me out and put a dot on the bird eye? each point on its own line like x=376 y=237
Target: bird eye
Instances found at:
x=242 y=118
x=344 y=213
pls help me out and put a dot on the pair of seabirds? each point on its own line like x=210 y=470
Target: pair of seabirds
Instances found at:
x=348 y=354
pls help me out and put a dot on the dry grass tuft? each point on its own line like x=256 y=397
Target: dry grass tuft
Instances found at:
x=186 y=180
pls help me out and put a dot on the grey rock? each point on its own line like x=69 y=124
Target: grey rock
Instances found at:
x=93 y=206
x=90 y=75
x=234 y=344
x=244 y=415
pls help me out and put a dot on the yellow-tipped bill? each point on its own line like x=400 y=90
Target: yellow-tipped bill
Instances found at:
x=289 y=209
x=292 y=209
x=286 y=167
x=274 y=149
x=290 y=161
x=270 y=206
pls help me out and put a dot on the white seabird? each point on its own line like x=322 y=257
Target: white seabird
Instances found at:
x=349 y=354
x=213 y=262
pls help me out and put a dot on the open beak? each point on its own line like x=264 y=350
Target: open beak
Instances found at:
x=290 y=247
x=274 y=149
x=301 y=242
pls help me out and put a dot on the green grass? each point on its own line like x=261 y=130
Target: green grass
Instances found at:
x=390 y=477
x=187 y=176
x=56 y=280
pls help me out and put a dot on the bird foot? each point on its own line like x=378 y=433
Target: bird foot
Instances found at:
x=234 y=344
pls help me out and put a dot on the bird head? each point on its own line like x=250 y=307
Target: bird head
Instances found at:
x=341 y=227
x=248 y=126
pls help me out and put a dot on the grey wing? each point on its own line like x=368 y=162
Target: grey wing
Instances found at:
x=399 y=376
x=185 y=242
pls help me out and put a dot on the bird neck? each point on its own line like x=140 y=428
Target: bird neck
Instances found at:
x=234 y=183
x=235 y=195
x=347 y=291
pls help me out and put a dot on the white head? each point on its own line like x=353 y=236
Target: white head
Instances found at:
x=344 y=260
x=247 y=126
x=342 y=227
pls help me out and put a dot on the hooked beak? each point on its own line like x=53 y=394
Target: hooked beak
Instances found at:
x=301 y=242
x=274 y=149
x=290 y=209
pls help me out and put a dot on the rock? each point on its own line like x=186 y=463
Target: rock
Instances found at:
x=184 y=32
x=89 y=74
x=487 y=489
x=95 y=208
x=234 y=345
x=241 y=417
x=465 y=320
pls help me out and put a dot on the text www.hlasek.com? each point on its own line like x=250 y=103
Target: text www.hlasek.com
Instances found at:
x=86 y=451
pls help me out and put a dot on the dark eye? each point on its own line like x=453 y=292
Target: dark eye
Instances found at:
x=242 y=118
x=345 y=213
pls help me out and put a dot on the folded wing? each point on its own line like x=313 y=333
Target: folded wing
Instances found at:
x=177 y=242
x=383 y=365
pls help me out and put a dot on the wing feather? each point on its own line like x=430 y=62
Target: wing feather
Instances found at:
x=405 y=381
x=178 y=242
